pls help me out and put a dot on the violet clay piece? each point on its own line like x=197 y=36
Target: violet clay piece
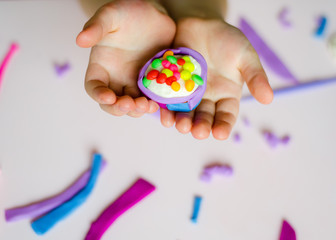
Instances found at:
x=175 y=78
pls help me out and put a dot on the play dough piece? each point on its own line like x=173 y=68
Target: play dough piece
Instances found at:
x=216 y=169
x=197 y=206
x=287 y=232
x=273 y=140
x=46 y=222
x=236 y=137
x=61 y=69
x=139 y=190
x=266 y=53
x=299 y=87
x=283 y=17
x=183 y=94
x=37 y=209
x=322 y=23
x=12 y=50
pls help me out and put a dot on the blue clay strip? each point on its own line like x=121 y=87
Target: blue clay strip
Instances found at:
x=40 y=208
x=180 y=107
x=322 y=26
x=46 y=222
x=197 y=205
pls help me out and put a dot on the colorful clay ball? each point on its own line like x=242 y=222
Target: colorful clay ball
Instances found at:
x=170 y=80
x=168 y=72
x=181 y=61
x=175 y=86
x=146 y=82
x=189 y=85
x=152 y=74
x=197 y=79
x=166 y=63
x=156 y=63
x=161 y=78
x=168 y=53
x=172 y=59
x=189 y=66
x=185 y=75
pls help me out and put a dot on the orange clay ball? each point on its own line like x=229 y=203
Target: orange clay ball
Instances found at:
x=175 y=86
x=168 y=53
x=189 y=85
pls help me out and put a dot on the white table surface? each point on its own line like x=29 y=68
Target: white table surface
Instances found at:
x=49 y=128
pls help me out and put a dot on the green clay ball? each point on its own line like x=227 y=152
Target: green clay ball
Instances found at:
x=146 y=82
x=172 y=59
x=156 y=63
x=197 y=79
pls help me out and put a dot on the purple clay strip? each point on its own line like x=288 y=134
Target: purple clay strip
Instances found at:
x=139 y=190
x=265 y=52
x=287 y=232
x=283 y=17
x=44 y=223
x=37 y=209
x=12 y=50
x=299 y=87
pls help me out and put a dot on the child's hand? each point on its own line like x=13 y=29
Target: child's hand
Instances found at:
x=124 y=34
x=231 y=62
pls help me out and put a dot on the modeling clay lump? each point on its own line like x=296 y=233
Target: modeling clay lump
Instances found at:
x=175 y=79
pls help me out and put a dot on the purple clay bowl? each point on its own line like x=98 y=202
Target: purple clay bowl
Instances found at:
x=183 y=104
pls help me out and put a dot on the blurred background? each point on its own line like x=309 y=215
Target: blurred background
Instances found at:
x=49 y=128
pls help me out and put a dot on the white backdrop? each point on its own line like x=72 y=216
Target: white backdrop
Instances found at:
x=49 y=128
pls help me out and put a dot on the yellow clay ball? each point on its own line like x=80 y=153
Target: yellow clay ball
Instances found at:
x=189 y=66
x=186 y=58
x=168 y=72
x=175 y=86
x=185 y=75
x=189 y=85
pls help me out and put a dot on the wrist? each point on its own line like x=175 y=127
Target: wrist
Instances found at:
x=207 y=9
x=91 y=6
x=157 y=4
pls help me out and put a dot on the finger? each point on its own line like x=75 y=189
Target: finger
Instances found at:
x=103 y=22
x=184 y=121
x=225 y=117
x=167 y=117
x=141 y=107
x=203 y=119
x=255 y=76
x=123 y=106
x=132 y=91
x=96 y=85
x=153 y=107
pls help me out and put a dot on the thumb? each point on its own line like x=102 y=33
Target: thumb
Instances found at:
x=99 y=25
